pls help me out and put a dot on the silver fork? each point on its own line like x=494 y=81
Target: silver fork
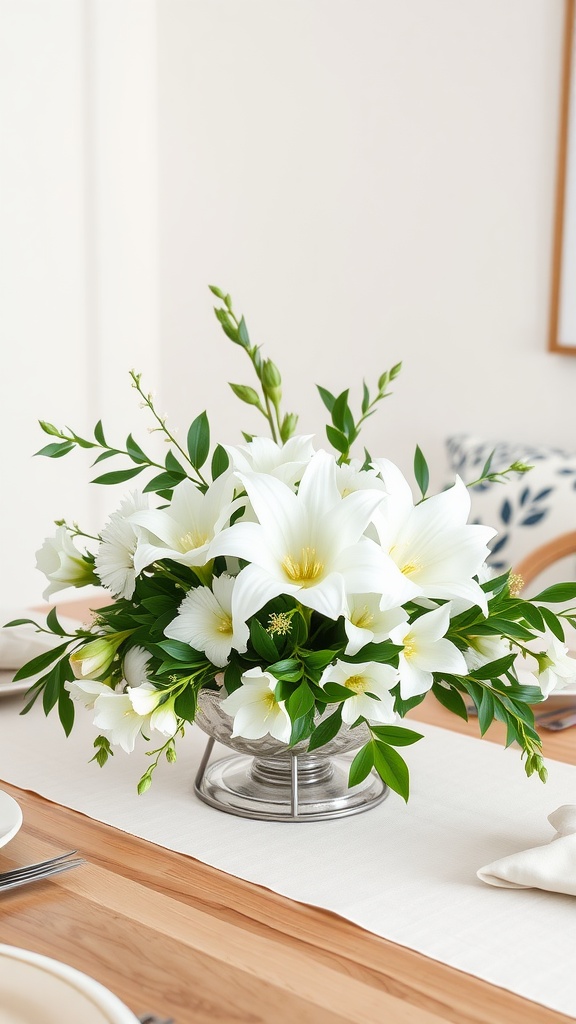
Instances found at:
x=37 y=872
x=151 y=1018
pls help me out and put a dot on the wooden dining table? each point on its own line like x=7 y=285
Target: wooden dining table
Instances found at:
x=176 y=937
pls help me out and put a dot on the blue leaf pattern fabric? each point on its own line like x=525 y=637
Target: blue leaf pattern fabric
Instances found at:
x=529 y=509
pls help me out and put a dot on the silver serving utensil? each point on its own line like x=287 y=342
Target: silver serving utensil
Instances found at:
x=151 y=1018
x=563 y=720
x=36 y=872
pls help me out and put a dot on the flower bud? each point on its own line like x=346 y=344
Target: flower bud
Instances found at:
x=272 y=381
x=63 y=564
x=96 y=657
x=288 y=426
x=245 y=394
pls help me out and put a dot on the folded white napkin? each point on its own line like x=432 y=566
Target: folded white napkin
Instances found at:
x=20 y=644
x=551 y=867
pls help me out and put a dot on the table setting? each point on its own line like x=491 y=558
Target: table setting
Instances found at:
x=277 y=704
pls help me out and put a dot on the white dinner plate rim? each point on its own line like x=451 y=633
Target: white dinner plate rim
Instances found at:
x=102 y=998
x=10 y=804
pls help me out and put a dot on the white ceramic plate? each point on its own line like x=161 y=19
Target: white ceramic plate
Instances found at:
x=8 y=688
x=37 y=990
x=10 y=818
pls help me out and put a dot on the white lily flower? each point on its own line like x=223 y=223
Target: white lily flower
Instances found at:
x=255 y=709
x=148 y=702
x=86 y=690
x=365 y=622
x=484 y=649
x=365 y=679
x=62 y=563
x=205 y=621
x=555 y=668
x=116 y=718
x=134 y=666
x=308 y=545
x=432 y=543
x=351 y=477
x=262 y=455
x=115 y=555
x=183 y=531
x=426 y=651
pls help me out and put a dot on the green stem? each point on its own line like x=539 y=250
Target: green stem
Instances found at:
x=162 y=426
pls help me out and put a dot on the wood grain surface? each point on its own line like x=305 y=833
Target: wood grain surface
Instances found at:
x=169 y=934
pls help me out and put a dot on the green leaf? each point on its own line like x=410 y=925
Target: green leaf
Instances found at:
x=199 y=440
x=365 y=398
x=66 y=710
x=317 y=660
x=337 y=439
x=288 y=668
x=220 y=461
x=56 y=450
x=52 y=689
x=53 y=624
x=557 y=593
x=99 y=434
x=20 y=622
x=485 y=711
x=533 y=615
x=451 y=700
x=327 y=397
x=41 y=662
x=232 y=676
x=339 y=410
x=262 y=642
x=302 y=727
x=119 y=476
x=173 y=466
x=161 y=482
x=135 y=452
x=392 y=769
x=395 y=735
x=300 y=702
x=421 y=471
x=185 y=704
x=326 y=730
x=335 y=692
x=179 y=650
x=553 y=622
x=362 y=764
x=105 y=455
x=495 y=668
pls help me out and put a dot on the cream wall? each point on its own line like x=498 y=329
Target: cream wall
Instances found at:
x=371 y=179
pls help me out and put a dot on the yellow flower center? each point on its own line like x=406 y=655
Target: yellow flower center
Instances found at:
x=269 y=701
x=409 y=647
x=410 y=567
x=193 y=539
x=357 y=683
x=362 y=617
x=305 y=570
x=225 y=625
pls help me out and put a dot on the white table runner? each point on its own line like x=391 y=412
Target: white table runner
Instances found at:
x=407 y=873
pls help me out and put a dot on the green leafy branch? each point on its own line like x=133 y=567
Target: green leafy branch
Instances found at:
x=488 y=475
x=268 y=402
x=345 y=429
x=172 y=471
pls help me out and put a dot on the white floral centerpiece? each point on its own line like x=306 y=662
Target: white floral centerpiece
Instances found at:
x=292 y=580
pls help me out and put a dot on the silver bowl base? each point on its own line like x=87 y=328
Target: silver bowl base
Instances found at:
x=247 y=787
